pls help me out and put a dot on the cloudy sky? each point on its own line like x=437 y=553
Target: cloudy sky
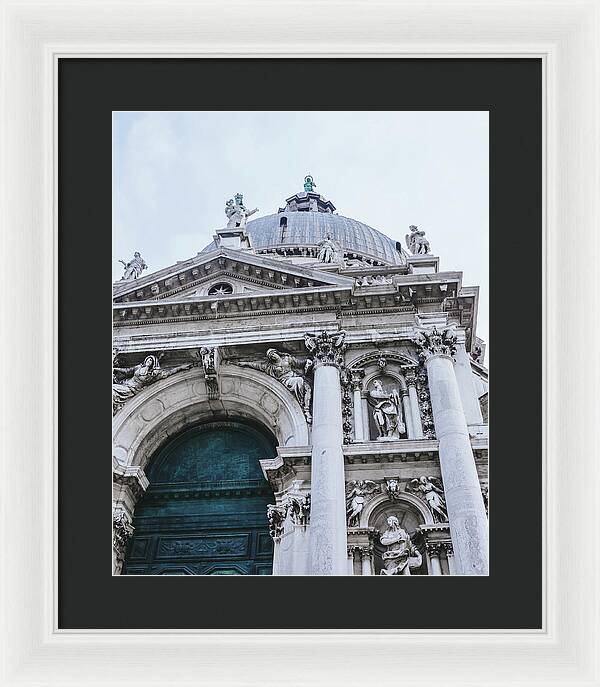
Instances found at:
x=173 y=172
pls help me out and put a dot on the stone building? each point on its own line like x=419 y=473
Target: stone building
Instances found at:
x=302 y=397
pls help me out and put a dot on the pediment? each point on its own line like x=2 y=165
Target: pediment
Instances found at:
x=243 y=271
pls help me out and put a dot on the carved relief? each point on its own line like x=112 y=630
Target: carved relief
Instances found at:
x=203 y=546
x=209 y=360
x=291 y=372
x=297 y=508
x=122 y=533
x=347 y=409
x=134 y=379
x=425 y=404
x=357 y=493
x=430 y=490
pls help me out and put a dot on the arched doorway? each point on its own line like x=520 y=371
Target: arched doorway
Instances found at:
x=204 y=512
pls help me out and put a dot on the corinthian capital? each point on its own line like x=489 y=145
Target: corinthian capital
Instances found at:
x=431 y=342
x=327 y=349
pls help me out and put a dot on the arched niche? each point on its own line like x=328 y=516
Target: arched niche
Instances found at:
x=411 y=513
x=164 y=409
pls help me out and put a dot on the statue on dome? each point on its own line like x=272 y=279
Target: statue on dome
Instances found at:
x=400 y=553
x=416 y=241
x=387 y=412
x=237 y=213
x=329 y=250
x=291 y=372
x=309 y=183
x=133 y=268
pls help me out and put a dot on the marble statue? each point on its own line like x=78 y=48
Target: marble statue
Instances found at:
x=139 y=377
x=237 y=213
x=431 y=491
x=133 y=268
x=329 y=250
x=400 y=553
x=309 y=184
x=387 y=412
x=291 y=372
x=393 y=488
x=356 y=492
x=416 y=241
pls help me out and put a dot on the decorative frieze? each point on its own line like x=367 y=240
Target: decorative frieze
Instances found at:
x=424 y=401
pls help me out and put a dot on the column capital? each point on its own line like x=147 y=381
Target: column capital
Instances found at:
x=410 y=376
x=327 y=349
x=434 y=343
x=356 y=379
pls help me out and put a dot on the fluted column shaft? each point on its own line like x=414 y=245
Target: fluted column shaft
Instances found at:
x=466 y=511
x=328 y=538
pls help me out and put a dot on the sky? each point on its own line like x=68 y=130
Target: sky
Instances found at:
x=173 y=172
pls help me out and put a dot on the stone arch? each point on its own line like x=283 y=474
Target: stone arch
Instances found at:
x=385 y=373
x=165 y=408
x=403 y=500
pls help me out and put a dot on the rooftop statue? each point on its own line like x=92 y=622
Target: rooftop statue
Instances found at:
x=133 y=268
x=329 y=250
x=416 y=241
x=309 y=183
x=237 y=213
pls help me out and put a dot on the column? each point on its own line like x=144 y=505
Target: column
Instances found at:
x=466 y=384
x=365 y=560
x=411 y=383
x=328 y=539
x=433 y=551
x=356 y=381
x=450 y=557
x=408 y=419
x=466 y=512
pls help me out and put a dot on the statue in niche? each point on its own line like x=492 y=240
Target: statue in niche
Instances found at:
x=400 y=554
x=430 y=489
x=133 y=268
x=138 y=377
x=356 y=492
x=329 y=250
x=291 y=372
x=416 y=241
x=237 y=213
x=387 y=412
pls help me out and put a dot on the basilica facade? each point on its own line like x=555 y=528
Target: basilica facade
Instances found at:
x=305 y=396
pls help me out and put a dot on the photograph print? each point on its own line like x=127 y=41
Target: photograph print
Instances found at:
x=300 y=322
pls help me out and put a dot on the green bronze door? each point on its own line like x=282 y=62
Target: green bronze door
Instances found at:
x=204 y=512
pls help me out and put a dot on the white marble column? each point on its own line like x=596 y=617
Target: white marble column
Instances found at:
x=411 y=383
x=328 y=538
x=365 y=560
x=466 y=512
x=466 y=384
x=433 y=551
x=356 y=382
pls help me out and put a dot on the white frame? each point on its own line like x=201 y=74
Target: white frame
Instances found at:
x=565 y=33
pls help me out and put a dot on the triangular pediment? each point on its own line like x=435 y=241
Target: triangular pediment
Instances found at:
x=240 y=272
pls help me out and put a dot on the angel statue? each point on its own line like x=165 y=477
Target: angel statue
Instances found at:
x=291 y=372
x=387 y=412
x=416 y=241
x=400 y=554
x=139 y=377
x=431 y=490
x=355 y=498
x=133 y=268
x=237 y=213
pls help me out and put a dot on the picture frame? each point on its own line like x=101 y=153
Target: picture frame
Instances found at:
x=564 y=35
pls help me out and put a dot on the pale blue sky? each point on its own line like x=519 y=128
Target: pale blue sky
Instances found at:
x=173 y=172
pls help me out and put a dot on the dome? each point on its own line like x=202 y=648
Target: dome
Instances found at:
x=308 y=219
